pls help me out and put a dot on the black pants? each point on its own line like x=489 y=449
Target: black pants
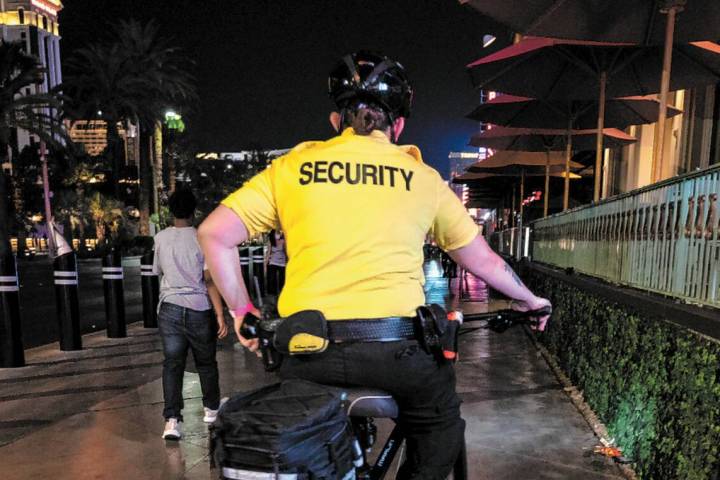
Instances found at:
x=182 y=329
x=423 y=388
x=275 y=279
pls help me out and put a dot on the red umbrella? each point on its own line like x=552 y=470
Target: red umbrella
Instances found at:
x=553 y=69
x=570 y=70
x=544 y=139
x=523 y=112
x=634 y=21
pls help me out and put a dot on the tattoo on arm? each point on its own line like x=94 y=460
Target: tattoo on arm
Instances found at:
x=514 y=275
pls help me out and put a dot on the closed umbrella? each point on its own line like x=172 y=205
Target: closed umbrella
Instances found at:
x=524 y=112
x=553 y=69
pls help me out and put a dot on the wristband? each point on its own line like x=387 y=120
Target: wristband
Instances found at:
x=240 y=312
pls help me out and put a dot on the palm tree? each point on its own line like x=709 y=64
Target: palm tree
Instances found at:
x=106 y=213
x=99 y=86
x=161 y=79
x=18 y=71
x=135 y=78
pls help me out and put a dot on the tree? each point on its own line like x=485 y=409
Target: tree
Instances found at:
x=107 y=215
x=161 y=78
x=135 y=76
x=31 y=112
x=99 y=86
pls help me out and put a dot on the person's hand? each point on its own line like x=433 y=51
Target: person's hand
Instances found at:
x=222 y=326
x=251 y=344
x=534 y=303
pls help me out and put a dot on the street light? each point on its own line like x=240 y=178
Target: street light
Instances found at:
x=488 y=40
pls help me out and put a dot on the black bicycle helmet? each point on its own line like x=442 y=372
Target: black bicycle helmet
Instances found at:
x=365 y=76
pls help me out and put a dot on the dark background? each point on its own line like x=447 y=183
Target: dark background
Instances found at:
x=262 y=65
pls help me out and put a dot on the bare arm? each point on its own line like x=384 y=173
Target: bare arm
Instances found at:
x=216 y=301
x=478 y=258
x=219 y=235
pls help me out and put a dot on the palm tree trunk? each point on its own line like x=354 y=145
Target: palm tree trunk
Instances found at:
x=100 y=232
x=146 y=179
x=81 y=218
x=115 y=152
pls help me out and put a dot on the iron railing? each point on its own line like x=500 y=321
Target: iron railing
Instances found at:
x=663 y=238
x=510 y=243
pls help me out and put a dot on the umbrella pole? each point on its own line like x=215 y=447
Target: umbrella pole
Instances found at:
x=658 y=151
x=599 y=143
x=568 y=155
x=547 y=183
x=522 y=192
x=512 y=209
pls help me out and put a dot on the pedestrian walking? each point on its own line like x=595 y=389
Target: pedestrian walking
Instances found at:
x=185 y=318
x=277 y=259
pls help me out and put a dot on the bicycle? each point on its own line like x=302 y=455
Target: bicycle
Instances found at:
x=364 y=405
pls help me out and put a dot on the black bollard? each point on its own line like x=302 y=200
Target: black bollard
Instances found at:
x=114 y=295
x=150 y=291
x=11 y=345
x=66 y=301
x=258 y=259
x=245 y=265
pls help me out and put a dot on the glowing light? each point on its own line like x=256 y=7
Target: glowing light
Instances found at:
x=48 y=6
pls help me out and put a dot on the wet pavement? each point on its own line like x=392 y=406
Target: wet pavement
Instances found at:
x=97 y=413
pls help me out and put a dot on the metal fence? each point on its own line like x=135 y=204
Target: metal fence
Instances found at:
x=664 y=238
x=510 y=243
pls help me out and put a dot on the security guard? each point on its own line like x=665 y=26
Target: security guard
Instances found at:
x=356 y=210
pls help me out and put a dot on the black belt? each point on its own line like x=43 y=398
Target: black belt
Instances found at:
x=389 y=329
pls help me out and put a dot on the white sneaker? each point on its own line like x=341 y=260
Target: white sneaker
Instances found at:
x=173 y=429
x=210 y=414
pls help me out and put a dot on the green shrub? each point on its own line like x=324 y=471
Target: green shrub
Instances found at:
x=655 y=385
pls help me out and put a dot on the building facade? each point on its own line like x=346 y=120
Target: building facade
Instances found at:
x=34 y=23
x=92 y=135
x=692 y=142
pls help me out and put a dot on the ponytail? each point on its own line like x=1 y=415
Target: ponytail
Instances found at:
x=364 y=118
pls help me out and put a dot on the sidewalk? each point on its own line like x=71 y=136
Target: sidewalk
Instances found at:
x=96 y=414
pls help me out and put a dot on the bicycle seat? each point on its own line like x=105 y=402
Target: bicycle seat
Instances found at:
x=368 y=402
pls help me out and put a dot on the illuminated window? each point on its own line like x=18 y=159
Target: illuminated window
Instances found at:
x=21 y=16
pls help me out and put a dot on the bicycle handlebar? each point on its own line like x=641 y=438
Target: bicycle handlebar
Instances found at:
x=500 y=320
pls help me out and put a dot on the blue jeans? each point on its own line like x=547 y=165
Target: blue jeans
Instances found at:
x=182 y=328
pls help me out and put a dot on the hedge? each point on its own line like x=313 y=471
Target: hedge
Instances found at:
x=653 y=384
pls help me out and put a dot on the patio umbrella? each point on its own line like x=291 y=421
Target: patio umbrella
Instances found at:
x=523 y=164
x=554 y=69
x=488 y=189
x=524 y=112
x=634 y=21
x=539 y=140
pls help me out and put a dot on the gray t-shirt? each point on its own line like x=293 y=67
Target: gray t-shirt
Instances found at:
x=180 y=263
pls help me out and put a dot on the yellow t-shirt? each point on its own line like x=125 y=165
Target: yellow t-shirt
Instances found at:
x=355 y=211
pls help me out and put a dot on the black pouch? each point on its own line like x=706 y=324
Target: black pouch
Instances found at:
x=302 y=333
x=432 y=324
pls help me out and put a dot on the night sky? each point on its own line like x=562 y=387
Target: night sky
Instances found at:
x=262 y=65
